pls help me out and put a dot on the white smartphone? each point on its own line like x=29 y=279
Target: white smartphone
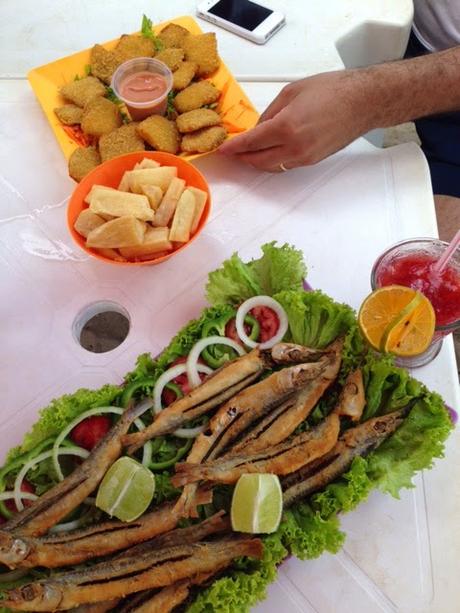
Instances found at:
x=243 y=17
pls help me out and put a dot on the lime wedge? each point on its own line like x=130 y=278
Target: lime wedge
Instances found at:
x=126 y=490
x=257 y=504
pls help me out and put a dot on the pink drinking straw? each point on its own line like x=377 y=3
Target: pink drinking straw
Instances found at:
x=448 y=253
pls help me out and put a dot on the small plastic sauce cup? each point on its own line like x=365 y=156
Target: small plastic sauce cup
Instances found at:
x=143 y=84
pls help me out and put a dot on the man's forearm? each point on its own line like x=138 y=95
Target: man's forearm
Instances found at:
x=401 y=91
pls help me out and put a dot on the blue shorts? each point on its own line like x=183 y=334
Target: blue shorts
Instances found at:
x=440 y=137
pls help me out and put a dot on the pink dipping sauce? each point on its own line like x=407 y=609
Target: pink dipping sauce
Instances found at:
x=143 y=87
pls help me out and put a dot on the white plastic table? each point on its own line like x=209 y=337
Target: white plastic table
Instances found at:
x=399 y=555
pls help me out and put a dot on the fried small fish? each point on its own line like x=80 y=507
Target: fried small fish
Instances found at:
x=216 y=389
x=167 y=599
x=104 y=63
x=357 y=441
x=173 y=35
x=100 y=116
x=69 y=114
x=202 y=49
x=217 y=523
x=122 y=140
x=171 y=57
x=281 y=459
x=281 y=423
x=197 y=119
x=236 y=415
x=82 y=91
x=97 y=607
x=131 y=45
x=183 y=75
x=203 y=140
x=160 y=133
x=78 y=546
x=196 y=95
x=82 y=161
x=291 y=353
x=352 y=399
x=116 y=578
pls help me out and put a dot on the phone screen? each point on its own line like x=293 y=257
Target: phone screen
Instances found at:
x=242 y=13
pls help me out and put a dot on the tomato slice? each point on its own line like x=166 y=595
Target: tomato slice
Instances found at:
x=268 y=321
x=90 y=431
x=230 y=330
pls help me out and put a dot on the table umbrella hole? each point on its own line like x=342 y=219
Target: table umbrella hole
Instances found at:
x=101 y=326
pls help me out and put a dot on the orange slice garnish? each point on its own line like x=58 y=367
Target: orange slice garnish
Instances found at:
x=397 y=319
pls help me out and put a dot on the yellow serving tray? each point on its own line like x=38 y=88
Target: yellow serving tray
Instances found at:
x=237 y=111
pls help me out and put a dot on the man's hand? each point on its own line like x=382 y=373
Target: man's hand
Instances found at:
x=309 y=120
x=317 y=116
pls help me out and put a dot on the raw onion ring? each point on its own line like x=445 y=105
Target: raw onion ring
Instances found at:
x=259 y=301
x=192 y=360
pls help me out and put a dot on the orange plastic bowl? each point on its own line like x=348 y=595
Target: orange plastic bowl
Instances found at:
x=110 y=173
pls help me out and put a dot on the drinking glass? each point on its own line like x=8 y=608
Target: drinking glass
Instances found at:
x=410 y=263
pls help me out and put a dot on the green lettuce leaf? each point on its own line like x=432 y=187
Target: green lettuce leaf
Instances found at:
x=413 y=447
x=307 y=534
x=233 y=283
x=240 y=590
x=279 y=268
x=315 y=320
x=345 y=493
x=387 y=387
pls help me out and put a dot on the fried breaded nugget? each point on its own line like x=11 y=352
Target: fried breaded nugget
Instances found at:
x=104 y=63
x=160 y=133
x=171 y=57
x=132 y=45
x=183 y=76
x=173 y=36
x=100 y=116
x=196 y=95
x=81 y=91
x=122 y=140
x=69 y=114
x=82 y=161
x=203 y=140
x=202 y=49
x=197 y=119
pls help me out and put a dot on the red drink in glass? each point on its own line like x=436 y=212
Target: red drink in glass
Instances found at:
x=410 y=263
